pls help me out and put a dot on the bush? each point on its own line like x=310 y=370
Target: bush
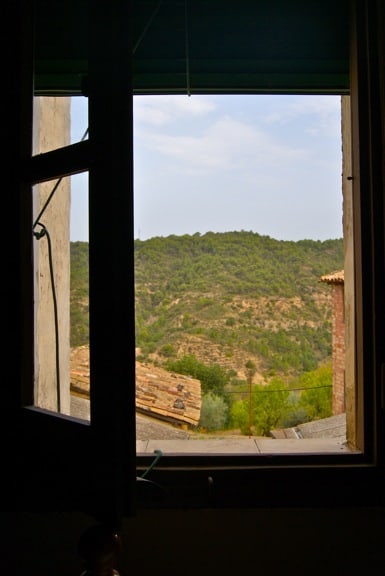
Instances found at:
x=240 y=416
x=316 y=398
x=214 y=412
x=168 y=350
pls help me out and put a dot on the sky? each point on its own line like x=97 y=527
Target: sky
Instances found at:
x=267 y=164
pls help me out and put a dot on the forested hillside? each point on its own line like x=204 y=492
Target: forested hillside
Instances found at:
x=226 y=299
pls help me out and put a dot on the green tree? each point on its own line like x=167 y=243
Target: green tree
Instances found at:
x=316 y=398
x=270 y=405
x=213 y=378
x=250 y=367
x=239 y=416
x=214 y=412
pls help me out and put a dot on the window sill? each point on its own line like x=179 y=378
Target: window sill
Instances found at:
x=244 y=445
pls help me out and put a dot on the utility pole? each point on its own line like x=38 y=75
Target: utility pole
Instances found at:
x=250 y=367
x=250 y=374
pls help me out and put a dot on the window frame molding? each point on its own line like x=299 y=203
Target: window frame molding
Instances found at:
x=314 y=479
x=60 y=449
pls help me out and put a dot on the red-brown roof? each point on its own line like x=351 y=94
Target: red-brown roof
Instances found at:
x=334 y=278
x=164 y=395
x=172 y=397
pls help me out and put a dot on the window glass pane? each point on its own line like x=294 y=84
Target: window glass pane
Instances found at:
x=79 y=119
x=57 y=123
x=54 y=260
x=51 y=252
x=60 y=231
x=79 y=307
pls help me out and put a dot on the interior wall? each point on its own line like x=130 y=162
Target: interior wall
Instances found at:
x=211 y=541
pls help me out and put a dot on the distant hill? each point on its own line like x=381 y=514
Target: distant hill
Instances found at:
x=225 y=298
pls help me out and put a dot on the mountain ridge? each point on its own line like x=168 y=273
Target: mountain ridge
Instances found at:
x=225 y=298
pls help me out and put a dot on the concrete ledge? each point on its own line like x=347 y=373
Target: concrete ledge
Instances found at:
x=243 y=446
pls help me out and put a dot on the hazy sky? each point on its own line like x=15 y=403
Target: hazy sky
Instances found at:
x=269 y=164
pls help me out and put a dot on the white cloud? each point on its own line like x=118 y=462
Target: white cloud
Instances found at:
x=162 y=110
x=322 y=113
x=226 y=143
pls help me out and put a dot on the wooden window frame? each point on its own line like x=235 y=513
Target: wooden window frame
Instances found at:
x=68 y=464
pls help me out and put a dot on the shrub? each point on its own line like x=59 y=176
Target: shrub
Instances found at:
x=214 y=412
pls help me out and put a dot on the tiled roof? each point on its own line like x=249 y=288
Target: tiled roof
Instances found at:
x=164 y=395
x=334 y=277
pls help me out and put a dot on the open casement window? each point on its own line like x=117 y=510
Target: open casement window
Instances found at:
x=107 y=54
x=72 y=463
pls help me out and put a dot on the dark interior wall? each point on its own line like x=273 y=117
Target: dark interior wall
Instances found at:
x=208 y=542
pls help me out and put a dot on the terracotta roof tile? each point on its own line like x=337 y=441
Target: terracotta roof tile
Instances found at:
x=334 y=278
x=173 y=397
x=164 y=395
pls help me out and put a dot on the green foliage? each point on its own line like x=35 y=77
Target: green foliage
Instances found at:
x=279 y=405
x=214 y=412
x=168 y=350
x=250 y=367
x=213 y=378
x=79 y=312
x=316 y=399
x=241 y=262
x=239 y=416
x=269 y=405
